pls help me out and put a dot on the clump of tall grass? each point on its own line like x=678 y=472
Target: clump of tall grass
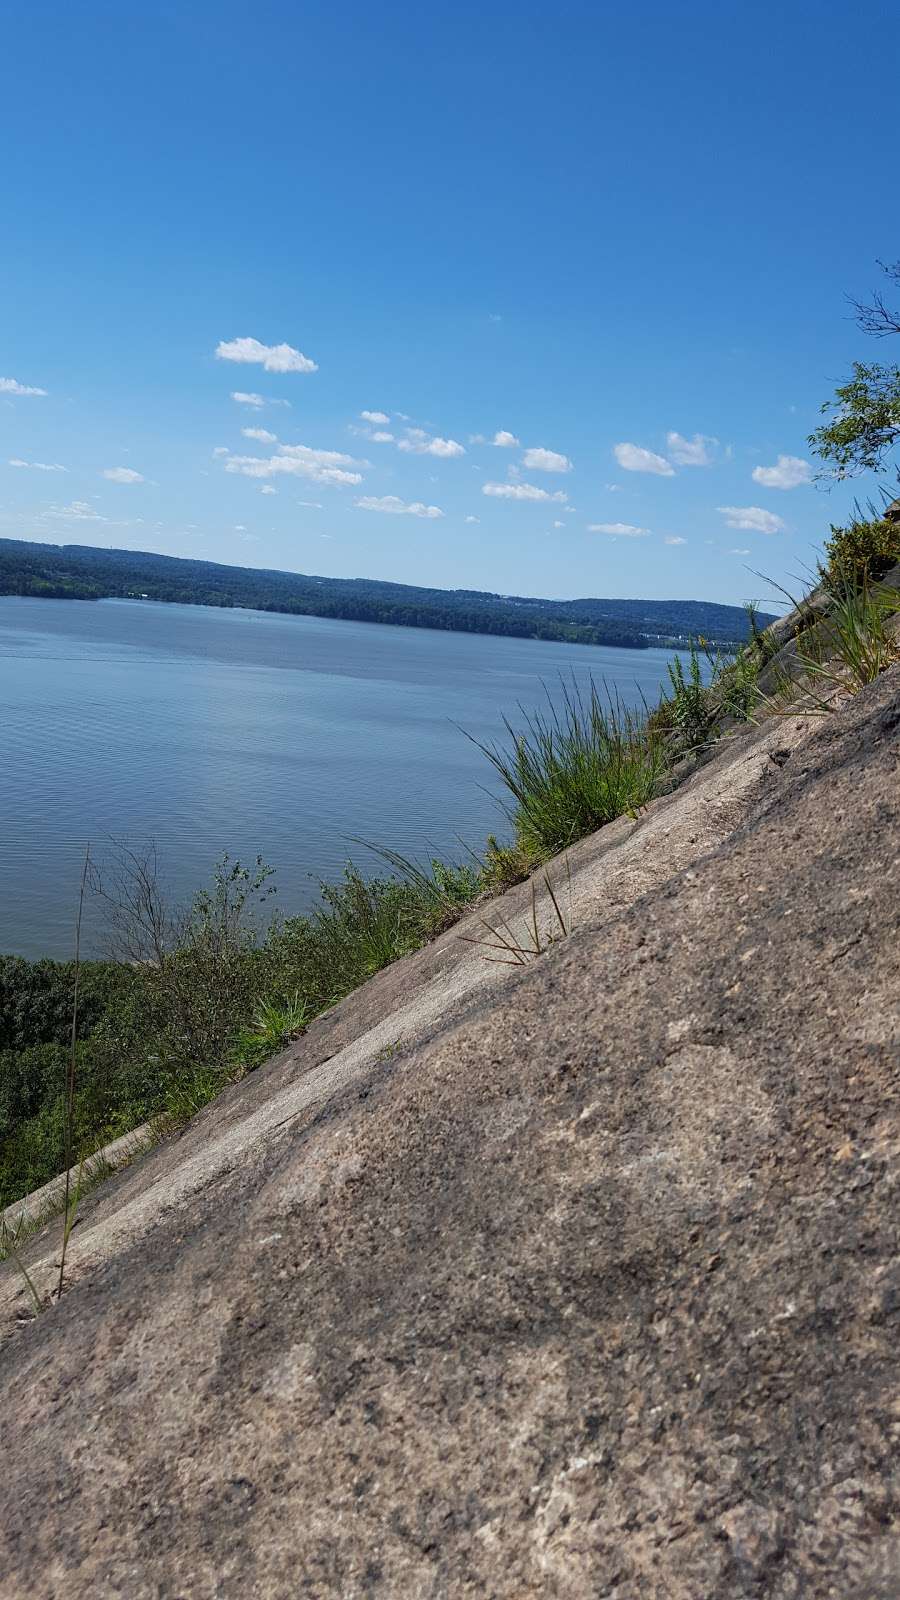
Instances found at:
x=855 y=643
x=575 y=767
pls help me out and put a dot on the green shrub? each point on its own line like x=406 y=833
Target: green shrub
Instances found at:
x=691 y=712
x=865 y=549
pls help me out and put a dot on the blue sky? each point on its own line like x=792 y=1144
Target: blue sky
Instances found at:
x=620 y=239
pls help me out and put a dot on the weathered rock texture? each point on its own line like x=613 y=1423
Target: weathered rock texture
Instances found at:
x=588 y=1288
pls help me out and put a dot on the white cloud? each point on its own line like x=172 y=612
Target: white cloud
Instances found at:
x=613 y=488
x=634 y=458
x=380 y=437
x=36 y=466
x=244 y=399
x=559 y=524
x=77 y=511
x=267 y=489
x=300 y=461
x=271 y=357
x=619 y=530
x=739 y=552
x=541 y=460
x=375 y=416
x=752 y=517
x=221 y=450
x=262 y=434
x=419 y=443
x=401 y=508
x=123 y=475
x=696 y=452
x=315 y=505
x=521 y=491
x=504 y=440
x=473 y=519
x=788 y=473
x=674 y=538
x=10 y=386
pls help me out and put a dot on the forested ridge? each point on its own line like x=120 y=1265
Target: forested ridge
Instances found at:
x=82 y=572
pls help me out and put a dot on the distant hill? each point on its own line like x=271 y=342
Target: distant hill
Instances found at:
x=81 y=572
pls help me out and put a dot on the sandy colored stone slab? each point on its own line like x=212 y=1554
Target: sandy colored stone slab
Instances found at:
x=576 y=1280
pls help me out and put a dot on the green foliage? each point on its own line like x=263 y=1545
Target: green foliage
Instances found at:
x=575 y=768
x=863 y=551
x=83 y=572
x=504 y=865
x=855 y=643
x=273 y=1024
x=690 y=712
x=865 y=422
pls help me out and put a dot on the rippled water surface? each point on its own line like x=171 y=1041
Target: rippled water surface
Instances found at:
x=286 y=737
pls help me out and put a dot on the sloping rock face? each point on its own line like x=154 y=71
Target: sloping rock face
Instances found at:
x=592 y=1289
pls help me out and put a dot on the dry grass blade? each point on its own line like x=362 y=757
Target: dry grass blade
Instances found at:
x=70 y=1205
x=503 y=937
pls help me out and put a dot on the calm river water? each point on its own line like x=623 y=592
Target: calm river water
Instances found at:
x=285 y=737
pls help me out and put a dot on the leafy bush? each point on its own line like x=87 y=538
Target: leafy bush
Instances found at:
x=865 y=550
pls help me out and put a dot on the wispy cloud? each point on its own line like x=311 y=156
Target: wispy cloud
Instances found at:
x=300 y=461
x=634 y=458
x=267 y=489
x=695 y=452
x=789 y=472
x=752 y=517
x=540 y=460
x=674 y=538
x=420 y=443
x=397 y=507
x=11 y=386
x=521 y=491
x=271 y=357
x=256 y=400
x=380 y=437
x=375 y=416
x=619 y=530
x=37 y=466
x=262 y=434
x=505 y=440
x=76 y=511
x=123 y=475
x=473 y=519
x=739 y=552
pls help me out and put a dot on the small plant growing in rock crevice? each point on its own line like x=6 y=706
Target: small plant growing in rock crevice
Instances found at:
x=274 y=1024
x=512 y=949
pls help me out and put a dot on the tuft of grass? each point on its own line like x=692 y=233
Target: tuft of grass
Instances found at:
x=856 y=643
x=508 y=948
x=504 y=865
x=273 y=1024
x=574 y=768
